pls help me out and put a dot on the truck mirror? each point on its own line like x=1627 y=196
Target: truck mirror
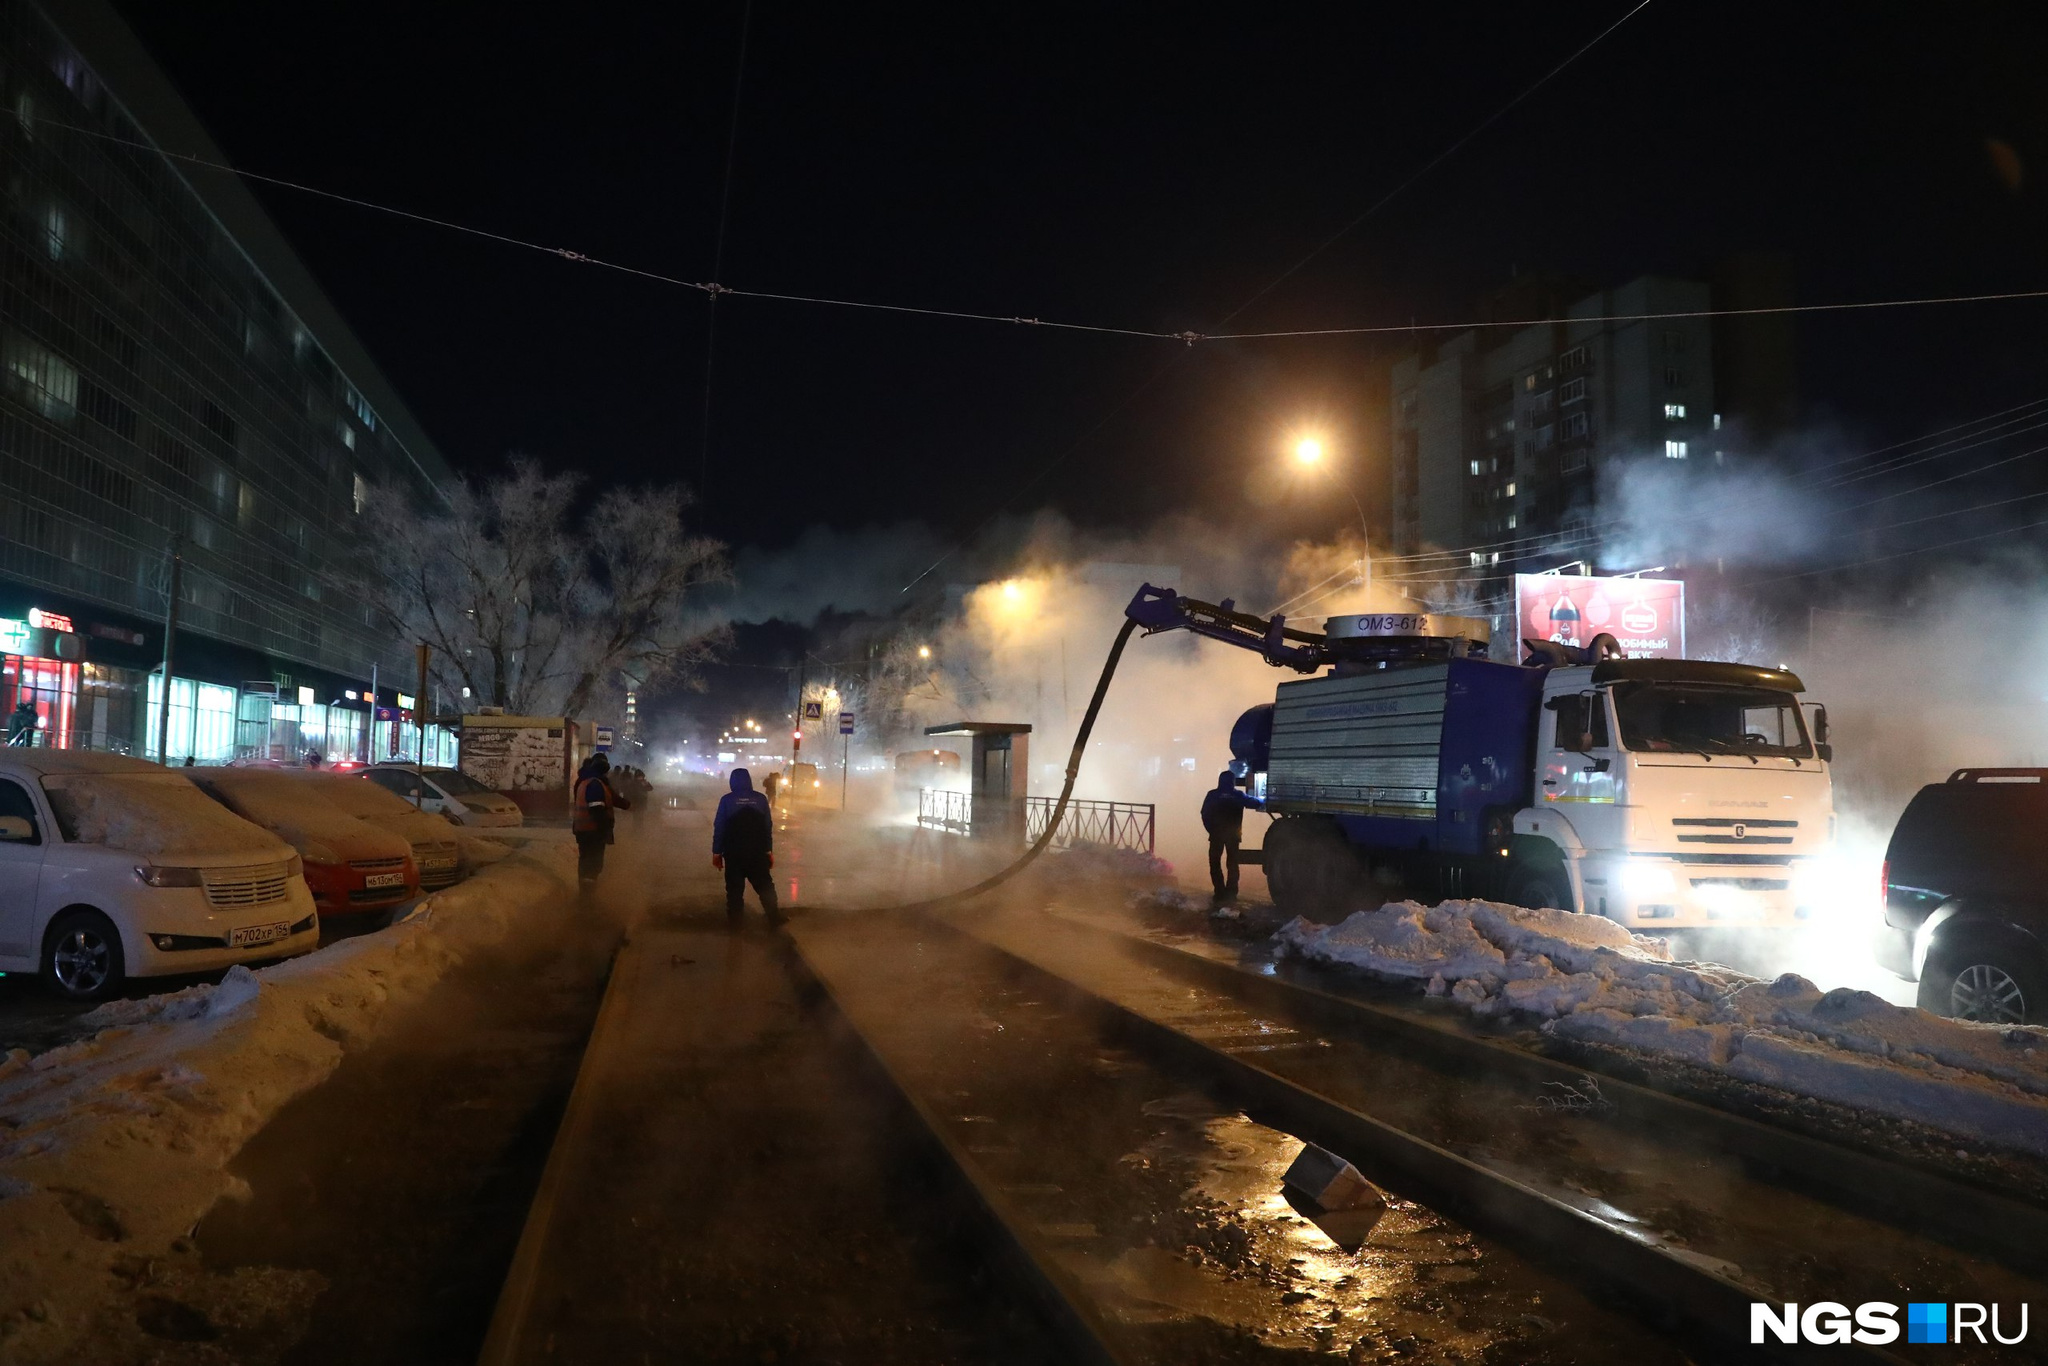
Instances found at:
x=1820 y=724
x=1825 y=750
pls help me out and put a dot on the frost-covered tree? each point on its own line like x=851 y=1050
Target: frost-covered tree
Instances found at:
x=536 y=613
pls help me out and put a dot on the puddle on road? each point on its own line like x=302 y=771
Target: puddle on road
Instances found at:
x=1252 y=1263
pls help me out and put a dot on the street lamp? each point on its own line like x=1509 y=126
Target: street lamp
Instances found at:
x=924 y=652
x=1308 y=453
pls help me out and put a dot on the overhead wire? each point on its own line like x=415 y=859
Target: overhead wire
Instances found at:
x=716 y=289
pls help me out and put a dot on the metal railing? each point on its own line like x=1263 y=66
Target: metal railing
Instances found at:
x=1093 y=824
x=942 y=809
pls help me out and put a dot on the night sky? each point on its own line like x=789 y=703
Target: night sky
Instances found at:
x=1150 y=167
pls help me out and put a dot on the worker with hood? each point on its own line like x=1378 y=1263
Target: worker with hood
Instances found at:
x=593 y=803
x=1223 y=809
x=743 y=845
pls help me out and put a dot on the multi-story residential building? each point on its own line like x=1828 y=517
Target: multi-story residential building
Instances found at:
x=1504 y=440
x=172 y=377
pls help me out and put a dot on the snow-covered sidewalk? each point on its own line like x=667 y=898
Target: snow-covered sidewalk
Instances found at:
x=113 y=1148
x=1592 y=981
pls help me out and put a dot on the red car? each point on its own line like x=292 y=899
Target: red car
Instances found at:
x=351 y=866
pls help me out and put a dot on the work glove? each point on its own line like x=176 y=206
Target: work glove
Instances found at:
x=718 y=862
x=771 y=860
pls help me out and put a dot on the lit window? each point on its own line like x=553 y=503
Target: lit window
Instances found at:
x=1674 y=450
x=1571 y=391
x=348 y=434
x=1478 y=558
x=55 y=230
x=1496 y=558
x=1511 y=488
x=362 y=493
x=1475 y=467
x=1511 y=522
x=1717 y=422
x=1674 y=411
x=51 y=383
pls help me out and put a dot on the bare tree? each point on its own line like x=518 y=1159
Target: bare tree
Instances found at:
x=1726 y=624
x=527 y=612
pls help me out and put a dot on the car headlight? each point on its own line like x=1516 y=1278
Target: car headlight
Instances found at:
x=154 y=876
x=1642 y=878
x=294 y=866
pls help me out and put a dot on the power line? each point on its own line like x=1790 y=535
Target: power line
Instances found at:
x=1439 y=159
x=1900 y=555
x=714 y=289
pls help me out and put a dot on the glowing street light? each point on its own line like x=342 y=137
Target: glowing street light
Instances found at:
x=1308 y=453
x=1012 y=589
x=924 y=652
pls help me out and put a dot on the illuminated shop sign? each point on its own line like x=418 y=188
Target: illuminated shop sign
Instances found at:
x=48 y=621
x=13 y=636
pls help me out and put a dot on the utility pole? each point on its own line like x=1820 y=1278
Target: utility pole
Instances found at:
x=419 y=707
x=370 y=736
x=163 y=709
x=845 y=749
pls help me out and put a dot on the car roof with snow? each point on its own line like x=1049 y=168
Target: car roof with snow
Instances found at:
x=23 y=759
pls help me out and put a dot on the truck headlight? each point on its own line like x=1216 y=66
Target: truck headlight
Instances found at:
x=1645 y=879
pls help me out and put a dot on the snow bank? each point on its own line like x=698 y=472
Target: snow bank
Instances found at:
x=1592 y=981
x=153 y=813
x=112 y=1148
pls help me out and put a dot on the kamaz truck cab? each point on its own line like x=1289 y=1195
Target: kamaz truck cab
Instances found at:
x=1674 y=793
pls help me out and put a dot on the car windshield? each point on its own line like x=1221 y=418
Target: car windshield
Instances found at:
x=455 y=782
x=1699 y=718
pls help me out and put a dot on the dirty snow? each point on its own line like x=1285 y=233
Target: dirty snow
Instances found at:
x=113 y=1147
x=1592 y=981
x=153 y=813
x=382 y=808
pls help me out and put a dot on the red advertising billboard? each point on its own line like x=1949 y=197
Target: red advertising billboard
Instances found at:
x=1646 y=615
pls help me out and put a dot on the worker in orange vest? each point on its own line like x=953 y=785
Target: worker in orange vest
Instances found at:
x=592 y=802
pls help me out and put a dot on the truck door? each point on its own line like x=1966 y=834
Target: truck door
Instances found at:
x=1581 y=767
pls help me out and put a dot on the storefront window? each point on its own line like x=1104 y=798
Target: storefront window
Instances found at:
x=50 y=687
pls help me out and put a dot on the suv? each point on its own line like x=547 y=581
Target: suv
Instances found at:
x=112 y=868
x=1966 y=896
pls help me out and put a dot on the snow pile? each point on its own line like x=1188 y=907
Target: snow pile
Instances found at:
x=1592 y=981
x=153 y=813
x=112 y=1148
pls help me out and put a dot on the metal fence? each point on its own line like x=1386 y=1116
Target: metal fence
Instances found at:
x=1092 y=824
x=941 y=809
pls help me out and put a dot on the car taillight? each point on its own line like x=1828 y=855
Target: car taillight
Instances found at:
x=1884 y=883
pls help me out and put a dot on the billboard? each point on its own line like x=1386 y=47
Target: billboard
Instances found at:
x=1646 y=615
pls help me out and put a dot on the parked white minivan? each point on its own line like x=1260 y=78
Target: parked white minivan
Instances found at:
x=112 y=868
x=448 y=792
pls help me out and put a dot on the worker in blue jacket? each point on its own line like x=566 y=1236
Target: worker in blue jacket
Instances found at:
x=743 y=847
x=1223 y=809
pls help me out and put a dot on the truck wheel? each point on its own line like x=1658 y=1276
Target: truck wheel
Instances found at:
x=82 y=956
x=1541 y=889
x=1985 y=981
x=1311 y=869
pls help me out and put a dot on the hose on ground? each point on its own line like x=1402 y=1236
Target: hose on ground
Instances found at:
x=1059 y=811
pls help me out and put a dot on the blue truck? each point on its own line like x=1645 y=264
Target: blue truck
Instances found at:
x=1662 y=793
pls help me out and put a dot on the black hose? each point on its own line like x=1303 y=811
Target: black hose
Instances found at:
x=989 y=884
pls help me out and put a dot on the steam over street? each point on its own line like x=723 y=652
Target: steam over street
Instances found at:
x=738 y=684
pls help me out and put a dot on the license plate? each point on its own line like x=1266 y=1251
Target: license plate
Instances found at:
x=258 y=934
x=383 y=879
